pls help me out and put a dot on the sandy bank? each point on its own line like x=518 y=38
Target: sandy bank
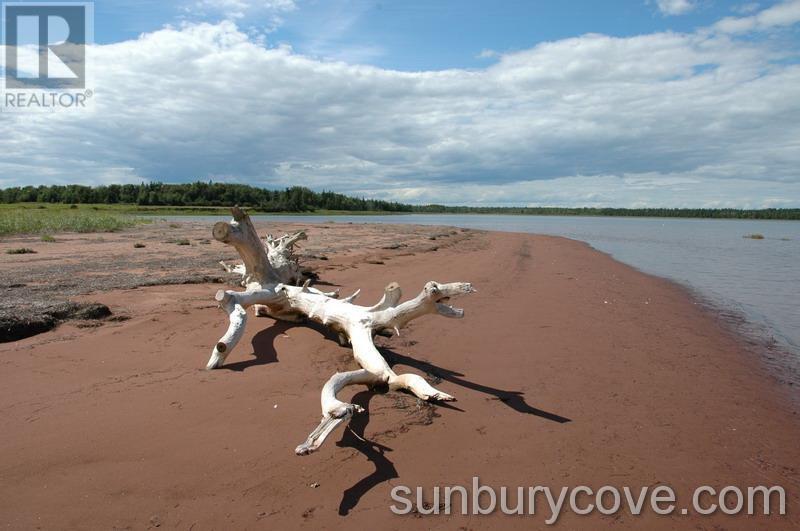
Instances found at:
x=569 y=368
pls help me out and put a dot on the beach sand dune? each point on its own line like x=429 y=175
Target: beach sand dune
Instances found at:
x=569 y=369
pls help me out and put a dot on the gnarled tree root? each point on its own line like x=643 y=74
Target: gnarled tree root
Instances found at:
x=270 y=275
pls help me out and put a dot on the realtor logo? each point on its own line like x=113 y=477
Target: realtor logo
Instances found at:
x=45 y=44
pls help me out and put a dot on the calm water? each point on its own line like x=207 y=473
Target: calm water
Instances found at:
x=758 y=279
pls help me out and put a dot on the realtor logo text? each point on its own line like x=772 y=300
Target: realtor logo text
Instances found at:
x=45 y=45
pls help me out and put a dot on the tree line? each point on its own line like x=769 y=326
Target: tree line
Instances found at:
x=302 y=199
x=198 y=194
x=718 y=213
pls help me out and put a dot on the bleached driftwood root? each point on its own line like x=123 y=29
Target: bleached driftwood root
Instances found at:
x=270 y=274
x=280 y=254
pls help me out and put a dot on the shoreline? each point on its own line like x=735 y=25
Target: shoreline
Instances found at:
x=752 y=337
x=129 y=430
x=149 y=211
x=777 y=356
x=765 y=323
x=757 y=339
x=754 y=324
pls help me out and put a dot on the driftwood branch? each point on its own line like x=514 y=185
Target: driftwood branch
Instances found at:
x=271 y=276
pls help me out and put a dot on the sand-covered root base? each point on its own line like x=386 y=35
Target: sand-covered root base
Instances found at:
x=610 y=377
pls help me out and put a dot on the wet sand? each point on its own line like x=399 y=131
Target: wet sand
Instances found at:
x=569 y=369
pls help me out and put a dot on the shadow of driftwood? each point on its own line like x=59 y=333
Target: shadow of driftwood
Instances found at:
x=376 y=453
x=513 y=399
x=264 y=342
x=263 y=347
x=353 y=437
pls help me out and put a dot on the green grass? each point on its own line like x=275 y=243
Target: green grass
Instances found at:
x=46 y=238
x=48 y=220
x=21 y=250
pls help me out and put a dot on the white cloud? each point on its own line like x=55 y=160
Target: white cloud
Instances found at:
x=746 y=8
x=675 y=7
x=246 y=12
x=635 y=191
x=780 y=15
x=330 y=31
x=661 y=119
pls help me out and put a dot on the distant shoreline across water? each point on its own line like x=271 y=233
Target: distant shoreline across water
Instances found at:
x=212 y=198
x=177 y=210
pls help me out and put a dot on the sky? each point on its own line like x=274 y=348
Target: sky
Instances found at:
x=631 y=103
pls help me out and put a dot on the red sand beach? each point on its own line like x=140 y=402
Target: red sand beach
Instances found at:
x=569 y=368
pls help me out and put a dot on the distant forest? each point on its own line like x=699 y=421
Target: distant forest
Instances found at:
x=301 y=199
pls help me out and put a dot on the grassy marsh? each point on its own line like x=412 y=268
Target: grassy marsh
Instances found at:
x=51 y=219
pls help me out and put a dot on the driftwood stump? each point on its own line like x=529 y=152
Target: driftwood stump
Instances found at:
x=272 y=279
